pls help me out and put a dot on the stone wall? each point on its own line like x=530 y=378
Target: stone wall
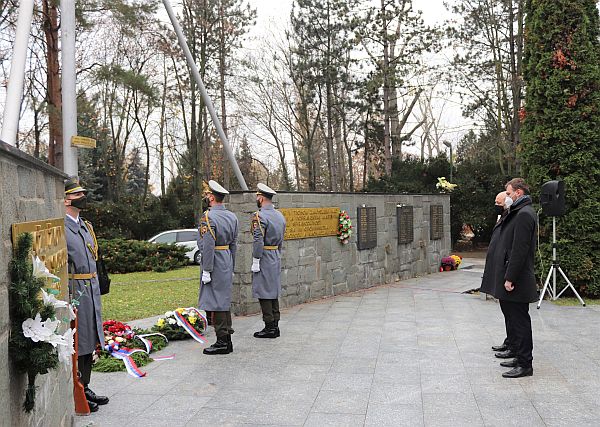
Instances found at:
x=29 y=190
x=319 y=267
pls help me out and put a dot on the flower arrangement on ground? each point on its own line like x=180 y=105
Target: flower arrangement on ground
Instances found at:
x=173 y=327
x=445 y=186
x=451 y=262
x=344 y=228
x=36 y=346
x=120 y=338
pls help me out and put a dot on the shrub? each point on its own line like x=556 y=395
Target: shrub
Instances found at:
x=128 y=256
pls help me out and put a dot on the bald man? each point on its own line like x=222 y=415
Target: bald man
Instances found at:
x=501 y=206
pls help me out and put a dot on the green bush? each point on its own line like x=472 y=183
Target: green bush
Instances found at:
x=128 y=256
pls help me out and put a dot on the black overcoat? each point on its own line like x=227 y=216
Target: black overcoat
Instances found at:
x=511 y=256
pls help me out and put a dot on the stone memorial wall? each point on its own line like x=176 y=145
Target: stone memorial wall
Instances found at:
x=30 y=190
x=391 y=241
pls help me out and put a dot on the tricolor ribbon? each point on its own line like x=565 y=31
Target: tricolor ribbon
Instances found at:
x=189 y=328
x=147 y=342
x=130 y=365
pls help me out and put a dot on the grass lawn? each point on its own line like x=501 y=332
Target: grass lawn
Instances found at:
x=575 y=301
x=139 y=295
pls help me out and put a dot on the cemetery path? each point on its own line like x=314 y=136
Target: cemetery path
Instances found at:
x=414 y=353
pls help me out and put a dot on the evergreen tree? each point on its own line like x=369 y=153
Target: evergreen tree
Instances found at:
x=561 y=126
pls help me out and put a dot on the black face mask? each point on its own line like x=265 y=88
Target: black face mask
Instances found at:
x=259 y=204
x=498 y=209
x=80 y=203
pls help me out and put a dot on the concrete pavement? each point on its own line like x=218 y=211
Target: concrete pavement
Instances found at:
x=414 y=353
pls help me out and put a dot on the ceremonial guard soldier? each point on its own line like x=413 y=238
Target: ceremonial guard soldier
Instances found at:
x=268 y=229
x=217 y=244
x=82 y=250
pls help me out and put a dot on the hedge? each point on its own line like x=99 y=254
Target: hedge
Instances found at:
x=128 y=256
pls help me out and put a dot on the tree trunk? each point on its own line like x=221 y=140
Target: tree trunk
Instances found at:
x=386 y=92
x=53 y=92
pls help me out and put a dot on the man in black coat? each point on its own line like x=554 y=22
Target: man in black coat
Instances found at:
x=513 y=276
x=501 y=205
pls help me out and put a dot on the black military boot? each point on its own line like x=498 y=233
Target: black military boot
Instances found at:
x=93 y=397
x=229 y=344
x=220 y=347
x=269 y=331
x=277 y=332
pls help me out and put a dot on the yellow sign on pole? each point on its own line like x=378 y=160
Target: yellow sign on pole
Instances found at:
x=83 y=142
x=304 y=223
x=50 y=246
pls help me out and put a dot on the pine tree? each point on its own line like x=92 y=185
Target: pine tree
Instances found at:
x=561 y=126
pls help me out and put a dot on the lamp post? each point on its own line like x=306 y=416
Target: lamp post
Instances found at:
x=447 y=144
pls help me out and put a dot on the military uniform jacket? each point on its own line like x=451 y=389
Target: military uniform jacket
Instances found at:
x=268 y=228
x=82 y=260
x=217 y=244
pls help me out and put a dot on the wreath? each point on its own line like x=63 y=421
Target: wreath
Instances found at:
x=35 y=345
x=344 y=227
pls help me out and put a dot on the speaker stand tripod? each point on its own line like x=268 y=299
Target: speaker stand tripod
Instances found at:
x=552 y=273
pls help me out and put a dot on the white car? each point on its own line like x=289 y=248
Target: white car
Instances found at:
x=187 y=237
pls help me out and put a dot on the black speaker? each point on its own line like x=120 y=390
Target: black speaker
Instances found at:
x=552 y=198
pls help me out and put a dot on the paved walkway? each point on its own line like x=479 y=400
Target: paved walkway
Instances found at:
x=414 y=353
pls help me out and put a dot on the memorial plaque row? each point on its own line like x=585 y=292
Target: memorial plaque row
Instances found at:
x=367 y=227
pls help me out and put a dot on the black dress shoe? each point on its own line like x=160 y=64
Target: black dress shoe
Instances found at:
x=508 y=354
x=93 y=397
x=518 y=372
x=220 y=347
x=510 y=364
x=93 y=406
x=502 y=347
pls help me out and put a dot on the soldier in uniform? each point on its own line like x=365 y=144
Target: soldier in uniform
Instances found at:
x=218 y=243
x=82 y=250
x=268 y=228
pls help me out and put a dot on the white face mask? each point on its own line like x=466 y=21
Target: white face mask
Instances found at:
x=508 y=202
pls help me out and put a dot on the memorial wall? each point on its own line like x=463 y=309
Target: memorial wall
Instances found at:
x=30 y=190
x=395 y=237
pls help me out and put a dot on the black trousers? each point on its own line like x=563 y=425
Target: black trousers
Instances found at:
x=84 y=366
x=221 y=320
x=270 y=310
x=507 y=340
x=520 y=335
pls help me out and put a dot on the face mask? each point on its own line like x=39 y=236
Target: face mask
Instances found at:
x=498 y=209
x=258 y=203
x=80 y=203
x=508 y=202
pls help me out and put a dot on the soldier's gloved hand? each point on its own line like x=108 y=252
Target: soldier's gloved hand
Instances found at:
x=255 y=265
x=206 y=277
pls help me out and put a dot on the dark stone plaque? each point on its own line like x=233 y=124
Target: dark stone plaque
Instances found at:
x=436 y=221
x=406 y=230
x=367 y=227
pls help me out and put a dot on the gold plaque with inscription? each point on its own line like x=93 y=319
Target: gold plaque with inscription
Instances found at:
x=304 y=223
x=50 y=245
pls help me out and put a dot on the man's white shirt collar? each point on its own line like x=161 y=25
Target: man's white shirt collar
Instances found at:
x=75 y=220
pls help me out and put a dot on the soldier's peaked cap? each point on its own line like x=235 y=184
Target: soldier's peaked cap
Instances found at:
x=216 y=188
x=265 y=190
x=72 y=185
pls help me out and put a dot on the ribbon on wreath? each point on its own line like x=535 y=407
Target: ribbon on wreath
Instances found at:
x=147 y=342
x=189 y=328
x=125 y=356
x=130 y=365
